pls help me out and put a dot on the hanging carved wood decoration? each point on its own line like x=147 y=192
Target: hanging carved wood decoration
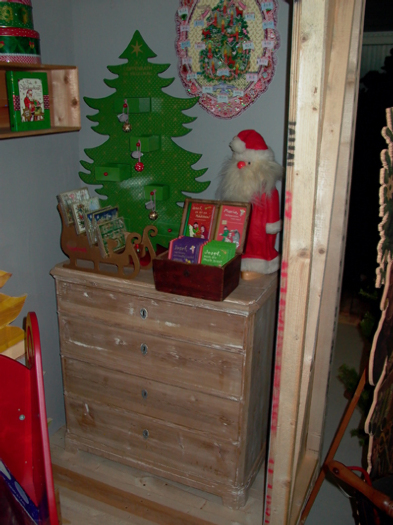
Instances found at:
x=385 y=245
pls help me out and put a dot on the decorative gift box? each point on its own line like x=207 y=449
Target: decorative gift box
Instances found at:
x=229 y=221
x=18 y=40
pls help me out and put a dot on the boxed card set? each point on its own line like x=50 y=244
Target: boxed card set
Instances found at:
x=204 y=261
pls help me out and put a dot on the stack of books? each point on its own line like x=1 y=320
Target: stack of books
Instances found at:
x=87 y=216
x=213 y=232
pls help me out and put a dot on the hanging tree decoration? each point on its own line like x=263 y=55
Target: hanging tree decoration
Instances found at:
x=139 y=166
x=227 y=51
x=385 y=245
x=124 y=117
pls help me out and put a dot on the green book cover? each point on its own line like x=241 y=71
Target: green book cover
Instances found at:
x=218 y=253
x=28 y=100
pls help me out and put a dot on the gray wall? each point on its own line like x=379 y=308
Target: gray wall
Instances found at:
x=33 y=171
x=92 y=34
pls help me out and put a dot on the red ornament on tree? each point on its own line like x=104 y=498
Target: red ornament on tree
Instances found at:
x=139 y=166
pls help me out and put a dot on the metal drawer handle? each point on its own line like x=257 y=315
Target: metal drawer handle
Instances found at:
x=144 y=394
x=143 y=313
x=145 y=434
x=144 y=349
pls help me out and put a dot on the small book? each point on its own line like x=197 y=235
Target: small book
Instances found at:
x=185 y=249
x=93 y=219
x=78 y=212
x=231 y=224
x=200 y=219
x=114 y=230
x=67 y=198
x=28 y=100
x=218 y=253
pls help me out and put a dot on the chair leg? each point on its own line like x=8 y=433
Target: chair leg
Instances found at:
x=334 y=446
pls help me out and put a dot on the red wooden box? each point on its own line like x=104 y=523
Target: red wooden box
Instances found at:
x=198 y=280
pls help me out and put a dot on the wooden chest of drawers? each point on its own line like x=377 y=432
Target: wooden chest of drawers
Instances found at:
x=172 y=385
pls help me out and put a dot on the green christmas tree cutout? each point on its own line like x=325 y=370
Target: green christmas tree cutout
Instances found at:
x=385 y=245
x=155 y=118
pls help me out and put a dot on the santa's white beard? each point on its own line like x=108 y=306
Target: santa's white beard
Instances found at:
x=243 y=184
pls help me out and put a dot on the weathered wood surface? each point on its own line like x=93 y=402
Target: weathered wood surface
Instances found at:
x=132 y=496
x=64 y=87
x=245 y=298
x=204 y=413
x=317 y=185
x=187 y=365
x=305 y=108
x=179 y=390
x=327 y=176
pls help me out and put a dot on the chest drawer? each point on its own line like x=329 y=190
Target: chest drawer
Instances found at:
x=192 y=366
x=149 y=442
x=209 y=415
x=182 y=322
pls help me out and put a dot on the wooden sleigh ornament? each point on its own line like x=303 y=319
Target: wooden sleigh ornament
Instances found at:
x=125 y=264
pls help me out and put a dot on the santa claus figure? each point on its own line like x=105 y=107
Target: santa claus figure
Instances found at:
x=250 y=175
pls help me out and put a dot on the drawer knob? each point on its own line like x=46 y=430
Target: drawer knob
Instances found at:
x=144 y=394
x=143 y=313
x=144 y=349
x=145 y=434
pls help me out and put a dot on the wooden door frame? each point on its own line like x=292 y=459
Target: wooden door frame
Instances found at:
x=324 y=79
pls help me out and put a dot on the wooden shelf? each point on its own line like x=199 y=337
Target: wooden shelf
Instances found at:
x=63 y=85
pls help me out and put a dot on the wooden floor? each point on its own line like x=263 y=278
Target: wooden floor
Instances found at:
x=95 y=490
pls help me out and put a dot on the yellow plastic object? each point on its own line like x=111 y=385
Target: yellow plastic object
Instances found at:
x=10 y=308
x=4 y=276
x=10 y=336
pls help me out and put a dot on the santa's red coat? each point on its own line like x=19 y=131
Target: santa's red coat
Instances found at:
x=260 y=244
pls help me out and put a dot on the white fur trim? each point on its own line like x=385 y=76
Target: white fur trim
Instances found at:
x=273 y=227
x=237 y=145
x=260 y=265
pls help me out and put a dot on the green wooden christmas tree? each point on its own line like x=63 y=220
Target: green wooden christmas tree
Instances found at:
x=140 y=118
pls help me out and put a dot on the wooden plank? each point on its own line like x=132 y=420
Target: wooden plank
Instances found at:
x=333 y=271
x=135 y=505
x=306 y=475
x=331 y=117
x=65 y=89
x=307 y=69
x=326 y=179
x=140 y=484
x=188 y=408
x=204 y=369
x=246 y=298
x=335 y=255
x=96 y=304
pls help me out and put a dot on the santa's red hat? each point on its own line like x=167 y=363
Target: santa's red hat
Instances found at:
x=250 y=142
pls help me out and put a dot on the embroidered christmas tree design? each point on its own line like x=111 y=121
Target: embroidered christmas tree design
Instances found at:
x=227 y=53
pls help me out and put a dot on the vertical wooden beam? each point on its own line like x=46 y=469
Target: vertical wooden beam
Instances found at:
x=340 y=27
x=305 y=107
x=314 y=425
x=324 y=83
x=337 y=235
